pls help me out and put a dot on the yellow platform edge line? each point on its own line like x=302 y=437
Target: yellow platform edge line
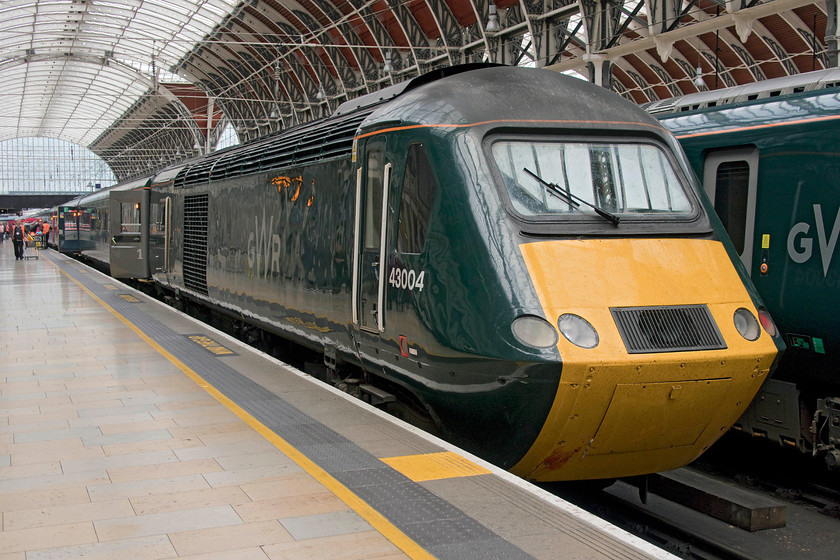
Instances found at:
x=368 y=513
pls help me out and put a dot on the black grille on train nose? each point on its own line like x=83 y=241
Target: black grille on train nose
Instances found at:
x=674 y=328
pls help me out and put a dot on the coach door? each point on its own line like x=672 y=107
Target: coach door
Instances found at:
x=67 y=226
x=729 y=179
x=369 y=266
x=129 y=233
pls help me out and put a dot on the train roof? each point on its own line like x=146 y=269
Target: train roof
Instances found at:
x=805 y=107
x=764 y=89
x=301 y=144
x=498 y=95
x=131 y=184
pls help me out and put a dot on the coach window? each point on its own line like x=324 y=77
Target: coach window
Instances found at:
x=86 y=219
x=130 y=217
x=732 y=187
x=418 y=196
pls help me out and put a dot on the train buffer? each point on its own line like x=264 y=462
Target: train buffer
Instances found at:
x=736 y=506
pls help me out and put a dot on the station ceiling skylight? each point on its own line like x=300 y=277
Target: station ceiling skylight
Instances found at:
x=71 y=68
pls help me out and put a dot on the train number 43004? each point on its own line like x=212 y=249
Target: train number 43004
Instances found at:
x=403 y=279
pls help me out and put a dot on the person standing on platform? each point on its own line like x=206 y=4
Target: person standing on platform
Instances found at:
x=18 y=239
x=2 y=232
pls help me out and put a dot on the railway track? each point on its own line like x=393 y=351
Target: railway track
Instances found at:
x=620 y=505
x=809 y=494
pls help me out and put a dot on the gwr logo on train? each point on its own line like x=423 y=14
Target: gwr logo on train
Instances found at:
x=265 y=248
x=800 y=245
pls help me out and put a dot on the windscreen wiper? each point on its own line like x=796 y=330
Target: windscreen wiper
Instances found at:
x=572 y=199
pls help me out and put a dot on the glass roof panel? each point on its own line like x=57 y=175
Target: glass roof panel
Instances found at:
x=90 y=61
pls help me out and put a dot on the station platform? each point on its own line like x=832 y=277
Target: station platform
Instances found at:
x=128 y=428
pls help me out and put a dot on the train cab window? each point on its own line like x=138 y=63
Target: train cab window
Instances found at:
x=555 y=179
x=130 y=217
x=418 y=196
x=732 y=188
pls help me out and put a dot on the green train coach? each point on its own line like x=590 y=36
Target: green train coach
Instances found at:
x=517 y=259
x=769 y=158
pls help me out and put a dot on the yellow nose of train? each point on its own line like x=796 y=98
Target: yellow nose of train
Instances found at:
x=669 y=372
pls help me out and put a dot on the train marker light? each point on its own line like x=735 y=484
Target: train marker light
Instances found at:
x=534 y=331
x=746 y=324
x=766 y=321
x=577 y=330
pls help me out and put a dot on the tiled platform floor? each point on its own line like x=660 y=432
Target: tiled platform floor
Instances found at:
x=107 y=449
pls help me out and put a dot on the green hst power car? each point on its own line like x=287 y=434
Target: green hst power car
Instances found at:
x=516 y=259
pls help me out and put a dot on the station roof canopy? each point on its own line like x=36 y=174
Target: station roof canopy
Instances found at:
x=146 y=82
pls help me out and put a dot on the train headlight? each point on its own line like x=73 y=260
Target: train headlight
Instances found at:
x=577 y=330
x=766 y=321
x=746 y=324
x=534 y=331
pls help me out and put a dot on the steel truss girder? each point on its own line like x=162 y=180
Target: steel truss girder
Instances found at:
x=743 y=20
x=272 y=56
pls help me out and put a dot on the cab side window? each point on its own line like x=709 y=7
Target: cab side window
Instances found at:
x=418 y=196
x=373 y=201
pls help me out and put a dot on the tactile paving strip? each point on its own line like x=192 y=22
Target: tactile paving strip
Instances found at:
x=440 y=528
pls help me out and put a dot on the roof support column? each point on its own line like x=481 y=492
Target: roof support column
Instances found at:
x=664 y=16
x=600 y=71
x=209 y=130
x=832 y=41
x=601 y=18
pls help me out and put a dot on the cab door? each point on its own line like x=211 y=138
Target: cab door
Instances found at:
x=129 y=216
x=370 y=229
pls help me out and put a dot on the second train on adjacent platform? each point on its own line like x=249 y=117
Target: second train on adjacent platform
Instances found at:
x=768 y=155
x=520 y=258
